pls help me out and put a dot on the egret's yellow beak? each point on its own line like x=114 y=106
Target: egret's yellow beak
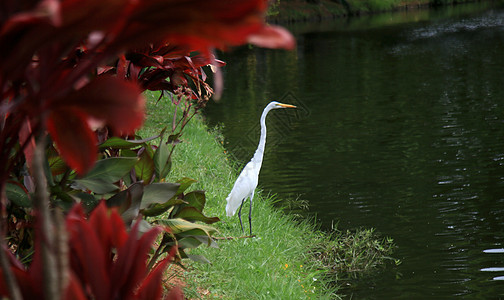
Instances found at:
x=286 y=105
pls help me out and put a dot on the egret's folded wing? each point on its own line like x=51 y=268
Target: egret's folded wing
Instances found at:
x=243 y=187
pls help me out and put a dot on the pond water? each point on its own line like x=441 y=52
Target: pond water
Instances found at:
x=400 y=127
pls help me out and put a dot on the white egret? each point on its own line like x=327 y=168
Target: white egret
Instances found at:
x=247 y=181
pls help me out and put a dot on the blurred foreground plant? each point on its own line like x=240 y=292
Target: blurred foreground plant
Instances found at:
x=71 y=77
x=101 y=261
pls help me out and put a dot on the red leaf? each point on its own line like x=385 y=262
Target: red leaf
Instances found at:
x=273 y=37
x=151 y=288
x=122 y=67
x=117 y=102
x=175 y=294
x=88 y=257
x=74 y=289
x=178 y=78
x=75 y=214
x=75 y=141
x=100 y=223
x=130 y=266
x=215 y=23
x=24 y=32
x=108 y=226
x=120 y=274
x=30 y=288
x=202 y=60
x=94 y=263
x=119 y=234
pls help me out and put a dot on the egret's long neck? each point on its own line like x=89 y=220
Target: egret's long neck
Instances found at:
x=258 y=155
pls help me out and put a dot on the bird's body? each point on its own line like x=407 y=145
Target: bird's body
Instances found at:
x=243 y=187
x=246 y=183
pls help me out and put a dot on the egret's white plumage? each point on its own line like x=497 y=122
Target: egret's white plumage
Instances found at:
x=244 y=187
x=246 y=183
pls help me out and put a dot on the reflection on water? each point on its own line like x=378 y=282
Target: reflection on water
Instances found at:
x=495 y=269
x=401 y=129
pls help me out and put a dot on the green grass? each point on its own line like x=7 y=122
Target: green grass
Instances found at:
x=352 y=254
x=280 y=263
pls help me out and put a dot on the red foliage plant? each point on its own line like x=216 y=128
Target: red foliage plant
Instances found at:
x=70 y=67
x=64 y=63
x=106 y=262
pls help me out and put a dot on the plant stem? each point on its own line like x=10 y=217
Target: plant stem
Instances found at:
x=156 y=255
x=62 y=250
x=50 y=274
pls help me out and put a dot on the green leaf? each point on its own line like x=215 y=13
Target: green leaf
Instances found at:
x=107 y=171
x=158 y=193
x=144 y=168
x=162 y=161
x=157 y=209
x=192 y=232
x=174 y=139
x=161 y=134
x=185 y=183
x=192 y=214
x=123 y=199
x=57 y=165
x=17 y=194
x=119 y=143
x=128 y=153
x=61 y=195
x=182 y=253
x=88 y=200
x=179 y=226
x=196 y=199
x=144 y=226
x=198 y=258
x=111 y=169
x=97 y=186
x=48 y=173
x=205 y=240
x=128 y=201
x=189 y=242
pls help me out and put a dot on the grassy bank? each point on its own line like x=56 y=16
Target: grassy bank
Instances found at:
x=285 y=11
x=288 y=259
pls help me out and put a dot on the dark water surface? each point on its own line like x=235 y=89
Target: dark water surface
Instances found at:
x=400 y=128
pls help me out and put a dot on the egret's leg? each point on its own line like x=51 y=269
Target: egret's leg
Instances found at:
x=239 y=214
x=250 y=212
